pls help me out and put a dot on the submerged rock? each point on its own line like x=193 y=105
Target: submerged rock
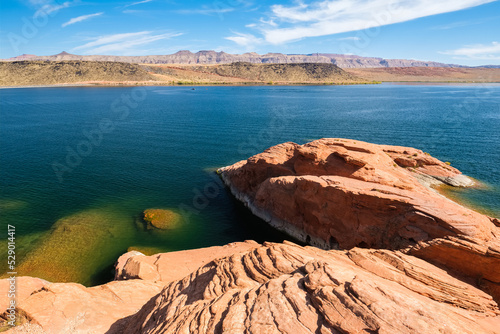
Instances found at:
x=76 y=245
x=162 y=219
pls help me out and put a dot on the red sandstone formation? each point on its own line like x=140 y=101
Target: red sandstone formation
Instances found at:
x=285 y=288
x=338 y=193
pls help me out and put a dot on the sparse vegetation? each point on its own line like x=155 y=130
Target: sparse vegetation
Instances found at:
x=28 y=73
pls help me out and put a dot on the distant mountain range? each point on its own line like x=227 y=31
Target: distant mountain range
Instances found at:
x=213 y=57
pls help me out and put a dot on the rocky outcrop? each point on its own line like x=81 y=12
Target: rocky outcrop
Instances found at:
x=344 y=193
x=285 y=288
x=338 y=193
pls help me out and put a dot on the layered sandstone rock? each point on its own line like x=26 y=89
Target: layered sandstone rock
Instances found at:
x=285 y=288
x=338 y=193
x=270 y=288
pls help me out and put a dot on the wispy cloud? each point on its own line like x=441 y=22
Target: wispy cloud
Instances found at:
x=137 y=3
x=246 y=40
x=80 y=19
x=121 y=44
x=51 y=6
x=477 y=51
x=328 y=17
x=351 y=38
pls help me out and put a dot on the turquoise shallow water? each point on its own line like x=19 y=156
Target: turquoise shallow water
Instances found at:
x=160 y=146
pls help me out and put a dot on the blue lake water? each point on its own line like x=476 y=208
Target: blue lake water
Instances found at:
x=122 y=150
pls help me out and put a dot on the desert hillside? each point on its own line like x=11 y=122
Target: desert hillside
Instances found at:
x=75 y=72
x=29 y=73
x=265 y=73
x=26 y=73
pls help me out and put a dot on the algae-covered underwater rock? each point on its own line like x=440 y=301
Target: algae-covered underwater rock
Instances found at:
x=162 y=218
x=78 y=246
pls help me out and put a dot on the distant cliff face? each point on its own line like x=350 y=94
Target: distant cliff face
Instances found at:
x=213 y=57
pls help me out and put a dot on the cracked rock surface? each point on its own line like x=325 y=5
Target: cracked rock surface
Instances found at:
x=285 y=288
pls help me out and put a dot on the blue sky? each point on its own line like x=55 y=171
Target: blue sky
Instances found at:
x=451 y=31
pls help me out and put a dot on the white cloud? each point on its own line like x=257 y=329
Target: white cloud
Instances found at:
x=246 y=40
x=477 y=51
x=137 y=3
x=351 y=38
x=50 y=8
x=121 y=43
x=269 y=22
x=80 y=19
x=327 y=17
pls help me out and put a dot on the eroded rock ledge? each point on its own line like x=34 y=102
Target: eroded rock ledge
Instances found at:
x=285 y=288
x=340 y=194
